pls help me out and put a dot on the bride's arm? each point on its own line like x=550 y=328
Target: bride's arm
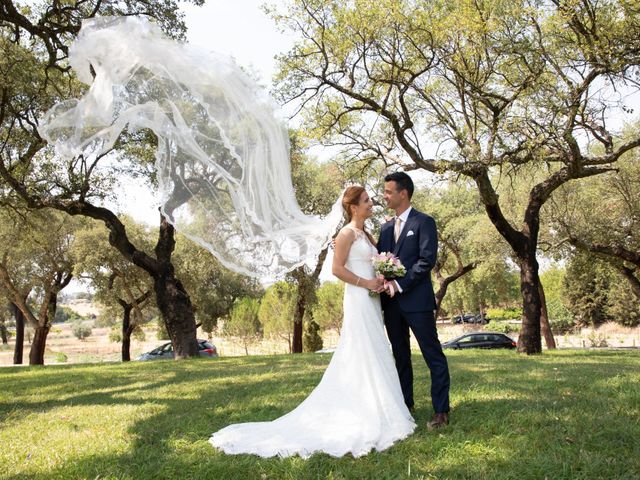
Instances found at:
x=343 y=243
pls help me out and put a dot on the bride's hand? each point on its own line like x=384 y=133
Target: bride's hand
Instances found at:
x=375 y=284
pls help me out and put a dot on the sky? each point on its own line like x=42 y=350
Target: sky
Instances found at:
x=238 y=28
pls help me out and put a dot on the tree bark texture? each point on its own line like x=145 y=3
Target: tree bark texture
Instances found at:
x=38 y=345
x=127 y=329
x=172 y=298
x=19 y=345
x=544 y=321
x=529 y=340
x=3 y=333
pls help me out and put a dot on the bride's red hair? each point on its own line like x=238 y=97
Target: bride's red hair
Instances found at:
x=351 y=198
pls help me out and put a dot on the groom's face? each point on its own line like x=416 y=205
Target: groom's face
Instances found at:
x=392 y=196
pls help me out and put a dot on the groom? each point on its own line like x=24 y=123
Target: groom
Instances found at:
x=410 y=304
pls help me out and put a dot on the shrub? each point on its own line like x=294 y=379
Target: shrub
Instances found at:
x=61 y=357
x=597 y=340
x=115 y=335
x=80 y=330
x=105 y=319
x=562 y=325
x=504 y=313
x=502 y=327
x=560 y=317
x=311 y=341
x=64 y=314
x=138 y=334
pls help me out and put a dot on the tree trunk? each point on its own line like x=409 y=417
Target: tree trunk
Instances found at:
x=172 y=298
x=177 y=311
x=126 y=332
x=544 y=321
x=19 y=345
x=529 y=340
x=38 y=345
x=305 y=296
x=3 y=333
x=298 y=314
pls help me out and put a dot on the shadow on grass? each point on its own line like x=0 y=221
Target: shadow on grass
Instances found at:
x=513 y=417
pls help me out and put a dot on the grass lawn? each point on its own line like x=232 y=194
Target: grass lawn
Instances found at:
x=560 y=415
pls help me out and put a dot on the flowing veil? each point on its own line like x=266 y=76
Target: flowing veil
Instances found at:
x=222 y=159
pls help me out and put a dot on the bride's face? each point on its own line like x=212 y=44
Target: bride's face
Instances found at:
x=364 y=209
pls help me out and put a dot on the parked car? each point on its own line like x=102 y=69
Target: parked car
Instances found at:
x=205 y=348
x=480 y=319
x=466 y=318
x=481 y=340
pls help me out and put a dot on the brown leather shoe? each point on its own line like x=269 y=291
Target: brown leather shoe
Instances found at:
x=439 y=420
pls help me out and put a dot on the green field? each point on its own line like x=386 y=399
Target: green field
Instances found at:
x=561 y=415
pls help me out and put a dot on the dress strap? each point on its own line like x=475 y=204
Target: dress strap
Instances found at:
x=359 y=233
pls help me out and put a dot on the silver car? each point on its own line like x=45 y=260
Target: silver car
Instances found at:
x=205 y=348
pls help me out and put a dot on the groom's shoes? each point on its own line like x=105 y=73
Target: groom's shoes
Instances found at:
x=439 y=420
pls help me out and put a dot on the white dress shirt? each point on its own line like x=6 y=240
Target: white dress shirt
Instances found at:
x=403 y=221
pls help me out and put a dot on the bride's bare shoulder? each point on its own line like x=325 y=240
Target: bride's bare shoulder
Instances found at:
x=347 y=233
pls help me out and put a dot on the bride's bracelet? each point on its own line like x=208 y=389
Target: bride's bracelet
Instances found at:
x=358 y=281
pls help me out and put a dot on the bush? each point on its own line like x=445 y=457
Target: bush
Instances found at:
x=64 y=314
x=105 y=319
x=560 y=317
x=562 y=325
x=80 y=330
x=115 y=335
x=138 y=334
x=312 y=341
x=61 y=357
x=327 y=312
x=514 y=313
x=597 y=340
x=502 y=327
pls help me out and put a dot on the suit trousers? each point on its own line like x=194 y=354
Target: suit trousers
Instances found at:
x=423 y=326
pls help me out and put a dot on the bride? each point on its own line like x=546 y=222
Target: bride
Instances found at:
x=358 y=405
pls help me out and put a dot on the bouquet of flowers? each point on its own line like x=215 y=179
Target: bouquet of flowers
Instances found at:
x=388 y=265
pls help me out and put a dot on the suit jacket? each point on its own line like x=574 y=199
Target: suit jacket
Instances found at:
x=417 y=249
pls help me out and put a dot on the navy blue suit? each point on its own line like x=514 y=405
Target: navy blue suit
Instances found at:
x=417 y=249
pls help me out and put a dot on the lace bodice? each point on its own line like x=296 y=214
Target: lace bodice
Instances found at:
x=359 y=259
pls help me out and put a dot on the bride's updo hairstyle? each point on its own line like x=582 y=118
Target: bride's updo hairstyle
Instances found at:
x=350 y=198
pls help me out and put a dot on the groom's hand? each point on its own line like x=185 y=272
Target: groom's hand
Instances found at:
x=391 y=288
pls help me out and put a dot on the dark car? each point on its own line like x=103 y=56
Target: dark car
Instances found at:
x=466 y=318
x=480 y=319
x=205 y=348
x=481 y=340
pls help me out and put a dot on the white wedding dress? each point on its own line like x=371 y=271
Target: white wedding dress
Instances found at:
x=357 y=406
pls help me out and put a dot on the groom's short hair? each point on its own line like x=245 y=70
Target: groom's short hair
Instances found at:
x=403 y=181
